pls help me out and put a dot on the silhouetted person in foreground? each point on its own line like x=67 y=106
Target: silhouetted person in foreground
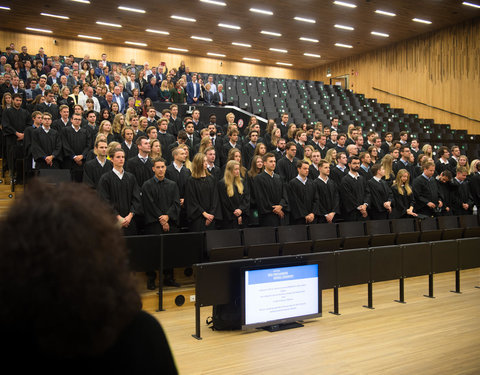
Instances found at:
x=69 y=302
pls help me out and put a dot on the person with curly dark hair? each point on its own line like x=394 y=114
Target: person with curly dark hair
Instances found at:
x=69 y=302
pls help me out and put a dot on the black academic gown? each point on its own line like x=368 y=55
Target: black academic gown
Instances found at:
x=270 y=191
x=313 y=172
x=425 y=191
x=45 y=144
x=160 y=198
x=337 y=175
x=123 y=196
x=75 y=143
x=401 y=203
x=353 y=193
x=287 y=169
x=180 y=178
x=93 y=171
x=230 y=204
x=379 y=193
x=328 y=199
x=201 y=195
x=302 y=199
x=461 y=194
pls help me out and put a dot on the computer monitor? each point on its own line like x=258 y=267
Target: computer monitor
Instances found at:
x=277 y=298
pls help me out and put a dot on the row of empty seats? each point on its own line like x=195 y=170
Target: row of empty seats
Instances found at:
x=302 y=239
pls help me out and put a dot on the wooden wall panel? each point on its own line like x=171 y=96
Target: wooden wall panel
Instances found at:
x=200 y=64
x=441 y=69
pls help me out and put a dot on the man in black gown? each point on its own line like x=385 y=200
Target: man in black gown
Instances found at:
x=302 y=197
x=270 y=194
x=381 y=195
x=46 y=145
x=428 y=200
x=94 y=169
x=161 y=209
x=76 y=144
x=328 y=197
x=119 y=188
x=353 y=193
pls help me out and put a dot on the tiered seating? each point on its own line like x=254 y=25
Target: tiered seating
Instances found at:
x=312 y=101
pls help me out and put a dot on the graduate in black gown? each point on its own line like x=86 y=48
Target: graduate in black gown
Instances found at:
x=119 y=188
x=403 y=197
x=128 y=145
x=328 y=196
x=161 y=210
x=160 y=201
x=381 y=196
x=340 y=170
x=76 y=145
x=287 y=165
x=446 y=191
x=428 y=200
x=234 y=197
x=141 y=164
x=37 y=118
x=270 y=194
x=462 y=202
x=94 y=169
x=14 y=121
x=178 y=173
x=313 y=171
x=353 y=191
x=302 y=197
x=201 y=197
x=46 y=145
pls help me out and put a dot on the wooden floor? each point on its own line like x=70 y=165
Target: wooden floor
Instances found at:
x=423 y=336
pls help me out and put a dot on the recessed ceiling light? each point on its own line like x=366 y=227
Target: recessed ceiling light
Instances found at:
x=177 y=49
x=215 y=54
x=4 y=8
x=128 y=9
x=39 y=30
x=228 y=26
x=377 y=33
x=201 y=38
x=270 y=33
x=251 y=59
x=82 y=1
x=343 y=45
x=278 y=50
x=261 y=11
x=344 y=27
x=312 y=55
x=309 y=20
x=157 y=31
x=136 y=44
x=345 y=4
x=282 y=63
x=241 y=44
x=305 y=39
x=471 y=4
x=422 y=21
x=213 y=2
x=183 y=18
x=55 y=16
x=89 y=37
x=108 y=24
x=385 y=13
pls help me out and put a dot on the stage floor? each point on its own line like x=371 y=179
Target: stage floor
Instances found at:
x=423 y=336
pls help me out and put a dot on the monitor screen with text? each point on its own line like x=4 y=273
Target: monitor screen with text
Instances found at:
x=281 y=293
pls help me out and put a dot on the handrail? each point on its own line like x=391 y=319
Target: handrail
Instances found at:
x=426 y=105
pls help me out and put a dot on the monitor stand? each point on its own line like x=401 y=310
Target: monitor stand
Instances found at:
x=281 y=327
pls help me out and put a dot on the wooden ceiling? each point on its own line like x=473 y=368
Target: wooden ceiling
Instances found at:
x=157 y=16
